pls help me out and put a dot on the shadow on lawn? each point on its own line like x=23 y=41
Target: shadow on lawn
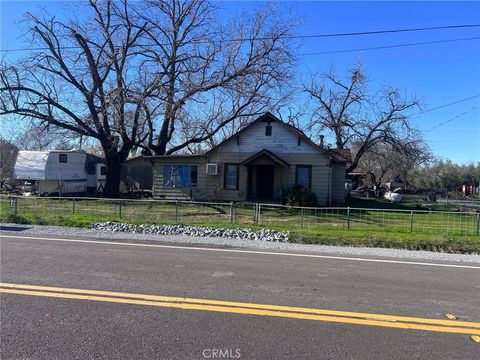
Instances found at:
x=385 y=204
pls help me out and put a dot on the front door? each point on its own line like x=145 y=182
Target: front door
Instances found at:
x=264 y=179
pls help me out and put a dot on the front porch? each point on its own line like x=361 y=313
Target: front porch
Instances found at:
x=265 y=176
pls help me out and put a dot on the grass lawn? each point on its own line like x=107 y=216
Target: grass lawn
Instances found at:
x=406 y=229
x=409 y=204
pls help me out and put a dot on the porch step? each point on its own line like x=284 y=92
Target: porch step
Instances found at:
x=171 y=194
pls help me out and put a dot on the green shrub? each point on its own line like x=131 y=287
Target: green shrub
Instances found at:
x=298 y=195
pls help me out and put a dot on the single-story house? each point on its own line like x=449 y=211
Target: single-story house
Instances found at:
x=61 y=171
x=255 y=164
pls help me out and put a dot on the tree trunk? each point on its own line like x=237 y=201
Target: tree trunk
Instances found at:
x=114 y=167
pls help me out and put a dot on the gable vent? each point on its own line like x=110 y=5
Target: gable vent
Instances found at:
x=268 y=130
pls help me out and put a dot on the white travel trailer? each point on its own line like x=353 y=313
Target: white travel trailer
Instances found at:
x=61 y=172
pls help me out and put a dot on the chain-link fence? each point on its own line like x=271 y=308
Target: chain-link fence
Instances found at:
x=385 y=220
x=471 y=202
x=43 y=210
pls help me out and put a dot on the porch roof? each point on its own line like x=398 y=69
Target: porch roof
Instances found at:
x=276 y=159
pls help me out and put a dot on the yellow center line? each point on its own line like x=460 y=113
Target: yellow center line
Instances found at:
x=259 y=309
x=368 y=316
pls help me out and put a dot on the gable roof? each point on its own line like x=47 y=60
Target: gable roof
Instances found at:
x=337 y=155
x=268 y=117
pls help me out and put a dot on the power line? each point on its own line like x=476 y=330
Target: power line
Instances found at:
x=451 y=119
x=445 y=105
x=391 y=46
x=361 y=33
x=385 y=31
x=453 y=103
x=304 y=54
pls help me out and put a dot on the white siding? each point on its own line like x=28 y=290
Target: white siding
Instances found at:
x=253 y=140
x=73 y=169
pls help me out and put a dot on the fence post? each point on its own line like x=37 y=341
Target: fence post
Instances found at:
x=73 y=205
x=348 y=218
x=231 y=212
x=303 y=213
x=411 y=221
x=259 y=217
x=176 y=211
x=120 y=210
x=478 y=224
x=15 y=200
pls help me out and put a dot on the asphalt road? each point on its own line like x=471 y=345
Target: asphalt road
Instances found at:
x=41 y=326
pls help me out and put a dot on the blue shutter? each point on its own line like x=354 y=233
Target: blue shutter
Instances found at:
x=185 y=175
x=177 y=176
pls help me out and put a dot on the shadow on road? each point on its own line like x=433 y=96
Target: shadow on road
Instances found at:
x=13 y=228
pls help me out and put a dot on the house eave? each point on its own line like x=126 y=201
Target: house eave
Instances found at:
x=158 y=157
x=275 y=158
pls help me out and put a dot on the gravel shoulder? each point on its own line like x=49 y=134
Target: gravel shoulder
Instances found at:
x=58 y=231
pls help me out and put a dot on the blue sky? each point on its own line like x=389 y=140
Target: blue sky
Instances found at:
x=436 y=73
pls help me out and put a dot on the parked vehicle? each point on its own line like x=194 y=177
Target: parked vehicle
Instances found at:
x=393 y=196
x=60 y=172
x=27 y=186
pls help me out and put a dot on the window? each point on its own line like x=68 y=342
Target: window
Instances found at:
x=231 y=177
x=103 y=170
x=193 y=175
x=178 y=176
x=268 y=130
x=62 y=158
x=212 y=169
x=304 y=175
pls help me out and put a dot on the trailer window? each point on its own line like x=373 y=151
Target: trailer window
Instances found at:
x=62 y=158
x=103 y=170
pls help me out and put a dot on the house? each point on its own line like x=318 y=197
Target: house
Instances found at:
x=61 y=172
x=255 y=164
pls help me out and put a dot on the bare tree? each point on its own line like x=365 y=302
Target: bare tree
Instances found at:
x=37 y=137
x=83 y=78
x=355 y=116
x=163 y=75
x=211 y=76
x=8 y=156
x=384 y=161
